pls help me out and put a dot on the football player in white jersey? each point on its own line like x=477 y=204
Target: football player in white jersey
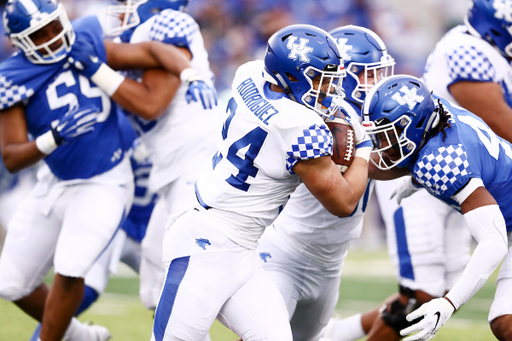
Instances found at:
x=304 y=249
x=58 y=90
x=180 y=136
x=273 y=138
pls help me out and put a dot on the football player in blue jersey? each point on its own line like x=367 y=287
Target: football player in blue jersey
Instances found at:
x=58 y=90
x=458 y=159
x=470 y=66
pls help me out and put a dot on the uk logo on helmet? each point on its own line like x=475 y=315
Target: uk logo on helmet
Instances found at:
x=503 y=9
x=410 y=97
x=300 y=50
x=344 y=48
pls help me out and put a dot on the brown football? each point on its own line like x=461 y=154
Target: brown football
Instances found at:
x=344 y=142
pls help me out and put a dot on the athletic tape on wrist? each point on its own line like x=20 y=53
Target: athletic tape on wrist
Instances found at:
x=46 y=143
x=189 y=75
x=364 y=153
x=107 y=79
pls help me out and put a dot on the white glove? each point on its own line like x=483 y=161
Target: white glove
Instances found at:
x=435 y=313
x=364 y=144
x=404 y=189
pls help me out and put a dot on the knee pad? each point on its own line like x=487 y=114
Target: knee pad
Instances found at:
x=394 y=314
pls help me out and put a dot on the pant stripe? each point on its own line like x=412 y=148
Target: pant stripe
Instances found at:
x=404 y=257
x=177 y=270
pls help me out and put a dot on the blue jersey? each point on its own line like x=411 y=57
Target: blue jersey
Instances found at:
x=49 y=91
x=470 y=150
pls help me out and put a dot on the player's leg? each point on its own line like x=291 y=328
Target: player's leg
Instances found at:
x=91 y=215
x=282 y=269
x=151 y=266
x=204 y=268
x=97 y=277
x=500 y=314
x=256 y=312
x=27 y=255
x=175 y=198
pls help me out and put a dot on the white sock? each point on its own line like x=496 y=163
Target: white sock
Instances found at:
x=76 y=331
x=347 y=329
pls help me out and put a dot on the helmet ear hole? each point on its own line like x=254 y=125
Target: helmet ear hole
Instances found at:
x=291 y=77
x=420 y=123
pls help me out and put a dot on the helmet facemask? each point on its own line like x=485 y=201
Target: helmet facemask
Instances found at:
x=130 y=18
x=367 y=75
x=326 y=93
x=42 y=53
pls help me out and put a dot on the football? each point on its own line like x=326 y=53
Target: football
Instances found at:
x=344 y=143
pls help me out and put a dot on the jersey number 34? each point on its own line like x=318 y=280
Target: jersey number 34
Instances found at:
x=242 y=152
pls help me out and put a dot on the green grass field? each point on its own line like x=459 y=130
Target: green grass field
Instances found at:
x=366 y=281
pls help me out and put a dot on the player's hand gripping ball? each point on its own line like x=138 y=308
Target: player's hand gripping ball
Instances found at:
x=344 y=142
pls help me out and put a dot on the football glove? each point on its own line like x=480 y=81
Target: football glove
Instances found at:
x=198 y=89
x=84 y=58
x=404 y=189
x=77 y=122
x=435 y=313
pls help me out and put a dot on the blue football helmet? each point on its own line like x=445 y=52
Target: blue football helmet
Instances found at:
x=365 y=56
x=131 y=13
x=22 y=18
x=398 y=114
x=492 y=20
x=296 y=55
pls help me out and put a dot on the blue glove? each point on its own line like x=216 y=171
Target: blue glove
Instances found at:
x=198 y=89
x=76 y=123
x=84 y=58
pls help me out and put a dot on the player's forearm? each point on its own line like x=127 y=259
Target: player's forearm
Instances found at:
x=140 y=100
x=357 y=178
x=488 y=227
x=340 y=194
x=18 y=156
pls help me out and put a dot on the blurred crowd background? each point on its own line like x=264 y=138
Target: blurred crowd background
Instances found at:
x=236 y=31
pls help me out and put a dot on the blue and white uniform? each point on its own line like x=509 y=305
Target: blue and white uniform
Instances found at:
x=213 y=267
x=471 y=151
x=462 y=57
x=179 y=143
x=303 y=252
x=86 y=186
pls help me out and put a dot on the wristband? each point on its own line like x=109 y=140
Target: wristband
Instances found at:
x=46 y=143
x=189 y=75
x=364 y=153
x=107 y=79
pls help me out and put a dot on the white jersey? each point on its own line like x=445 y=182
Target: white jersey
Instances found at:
x=265 y=134
x=186 y=131
x=459 y=56
x=311 y=229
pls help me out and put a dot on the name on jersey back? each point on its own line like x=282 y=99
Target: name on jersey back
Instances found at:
x=256 y=103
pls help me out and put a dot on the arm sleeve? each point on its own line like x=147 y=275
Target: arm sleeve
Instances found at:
x=487 y=226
